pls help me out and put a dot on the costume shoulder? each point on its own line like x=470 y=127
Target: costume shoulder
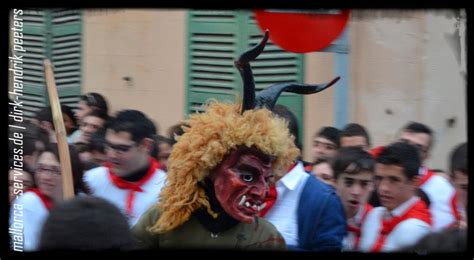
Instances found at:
x=140 y=230
x=267 y=236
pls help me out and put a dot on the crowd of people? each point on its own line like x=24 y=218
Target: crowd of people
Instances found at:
x=234 y=177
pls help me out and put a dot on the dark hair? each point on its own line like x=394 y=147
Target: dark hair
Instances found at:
x=352 y=160
x=97 y=142
x=419 y=128
x=96 y=101
x=76 y=166
x=176 y=130
x=31 y=133
x=445 y=241
x=354 y=129
x=46 y=114
x=330 y=133
x=67 y=110
x=134 y=122
x=458 y=158
x=82 y=147
x=403 y=155
x=325 y=159
x=86 y=223
x=98 y=113
x=285 y=113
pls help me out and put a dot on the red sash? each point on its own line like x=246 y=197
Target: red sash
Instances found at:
x=356 y=229
x=425 y=177
x=419 y=210
x=47 y=202
x=132 y=186
x=272 y=196
x=454 y=209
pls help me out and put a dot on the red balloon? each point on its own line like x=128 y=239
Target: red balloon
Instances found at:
x=302 y=32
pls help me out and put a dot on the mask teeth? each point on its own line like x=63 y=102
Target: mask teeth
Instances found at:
x=262 y=206
x=242 y=200
x=247 y=204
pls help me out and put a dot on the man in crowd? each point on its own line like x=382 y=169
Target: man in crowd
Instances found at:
x=355 y=135
x=438 y=189
x=403 y=217
x=131 y=178
x=306 y=211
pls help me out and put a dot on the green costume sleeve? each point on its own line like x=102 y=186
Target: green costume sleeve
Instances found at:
x=146 y=239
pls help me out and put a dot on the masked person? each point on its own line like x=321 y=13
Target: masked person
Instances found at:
x=218 y=173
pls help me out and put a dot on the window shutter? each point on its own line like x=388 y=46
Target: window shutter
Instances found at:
x=215 y=39
x=66 y=54
x=36 y=46
x=212 y=37
x=53 y=34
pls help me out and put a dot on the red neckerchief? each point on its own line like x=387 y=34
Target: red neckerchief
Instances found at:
x=47 y=202
x=272 y=196
x=356 y=229
x=308 y=168
x=455 y=211
x=419 y=210
x=425 y=177
x=376 y=151
x=132 y=186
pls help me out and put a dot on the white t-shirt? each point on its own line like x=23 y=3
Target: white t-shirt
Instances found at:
x=100 y=184
x=441 y=193
x=406 y=233
x=31 y=213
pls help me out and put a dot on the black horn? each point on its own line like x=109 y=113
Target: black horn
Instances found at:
x=267 y=97
x=243 y=66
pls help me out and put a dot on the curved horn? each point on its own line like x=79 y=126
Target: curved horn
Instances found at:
x=267 y=98
x=243 y=66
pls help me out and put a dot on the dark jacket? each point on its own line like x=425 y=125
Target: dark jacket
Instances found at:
x=321 y=218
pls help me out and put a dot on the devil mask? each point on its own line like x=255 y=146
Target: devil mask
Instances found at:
x=236 y=147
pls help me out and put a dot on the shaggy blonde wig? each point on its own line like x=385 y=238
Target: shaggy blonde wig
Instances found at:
x=209 y=137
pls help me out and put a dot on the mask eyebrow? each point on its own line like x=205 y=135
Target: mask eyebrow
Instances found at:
x=248 y=168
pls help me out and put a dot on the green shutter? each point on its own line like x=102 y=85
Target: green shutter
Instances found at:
x=212 y=38
x=66 y=27
x=215 y=39
x=53 y=34
x=36 y=46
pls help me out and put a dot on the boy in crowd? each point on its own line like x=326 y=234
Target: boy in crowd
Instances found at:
x=438 y=189
x=403 y=217
x=354 y=174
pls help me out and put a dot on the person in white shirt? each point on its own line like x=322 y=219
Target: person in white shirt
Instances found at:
x=131 y=178
x=307 y=212
x=459 y=179
x=354 y=176
x=32 y=208
x=88 y=103
x=403 y=218
x=438 y=189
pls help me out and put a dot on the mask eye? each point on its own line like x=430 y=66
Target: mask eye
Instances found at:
x=247 y=177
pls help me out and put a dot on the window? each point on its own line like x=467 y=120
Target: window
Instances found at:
x=54 y=34
x=215 y=40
